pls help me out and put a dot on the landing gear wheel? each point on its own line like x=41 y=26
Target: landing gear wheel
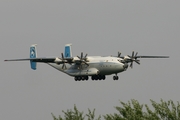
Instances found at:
x=115 y=77
x=75 y=78
x=96 y=77
x=104 y=77
x=86 y=78
x=79 y=78
x=99 y=77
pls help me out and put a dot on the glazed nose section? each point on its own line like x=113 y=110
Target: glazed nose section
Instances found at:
x=125 y=66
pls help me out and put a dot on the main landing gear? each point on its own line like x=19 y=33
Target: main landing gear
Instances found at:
x=94 y=77
x=79 y=78
x=98 y=77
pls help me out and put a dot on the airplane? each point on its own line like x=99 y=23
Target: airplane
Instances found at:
x=81 y=67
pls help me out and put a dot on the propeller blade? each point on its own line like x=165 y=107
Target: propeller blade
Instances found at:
x=131 y=65
x=63 y=66
x=85 y=56
x=62 y=55
x=136 y=55
x=78 y=57
x=132 y=54
x=119 y=54
x=137 y=61
x=85 y=63
x=81 y=55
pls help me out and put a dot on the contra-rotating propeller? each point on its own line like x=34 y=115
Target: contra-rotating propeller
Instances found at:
x=83 y=60
x=119 y=56
x=63 y=60
x=133 y=58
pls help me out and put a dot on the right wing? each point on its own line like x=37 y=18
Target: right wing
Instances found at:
x=152 y=56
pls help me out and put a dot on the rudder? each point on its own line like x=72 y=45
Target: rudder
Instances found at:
x=68 y=52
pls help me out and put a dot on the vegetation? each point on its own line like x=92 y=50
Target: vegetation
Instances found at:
x=132 y=110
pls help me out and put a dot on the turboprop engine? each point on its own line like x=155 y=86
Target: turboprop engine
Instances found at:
x=57 y=61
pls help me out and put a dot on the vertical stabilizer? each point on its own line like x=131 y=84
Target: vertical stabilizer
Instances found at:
x=68 y=52
x=33 y=54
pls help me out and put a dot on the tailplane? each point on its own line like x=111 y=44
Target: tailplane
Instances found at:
x=33 y=54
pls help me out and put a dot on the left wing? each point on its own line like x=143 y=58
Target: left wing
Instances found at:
x=44 y=60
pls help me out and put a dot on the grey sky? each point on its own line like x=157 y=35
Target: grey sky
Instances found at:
x=94 y=27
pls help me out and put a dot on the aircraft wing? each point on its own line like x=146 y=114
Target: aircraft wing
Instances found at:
x=152 y=56
x=148 y=57
x=44 y=60
x=134 y=57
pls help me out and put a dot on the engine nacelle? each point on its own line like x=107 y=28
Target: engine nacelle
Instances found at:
x=57 y=61
x=126 y=58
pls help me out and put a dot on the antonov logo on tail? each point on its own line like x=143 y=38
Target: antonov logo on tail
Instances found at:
x=82 y=67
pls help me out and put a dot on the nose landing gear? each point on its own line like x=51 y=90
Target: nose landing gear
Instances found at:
x=115 y=77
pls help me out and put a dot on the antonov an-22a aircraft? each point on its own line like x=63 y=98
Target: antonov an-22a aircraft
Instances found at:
x=81 y=67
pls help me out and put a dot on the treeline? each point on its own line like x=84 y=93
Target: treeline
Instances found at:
x=133 y=110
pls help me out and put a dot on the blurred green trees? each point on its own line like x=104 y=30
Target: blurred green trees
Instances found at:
x=132 y=110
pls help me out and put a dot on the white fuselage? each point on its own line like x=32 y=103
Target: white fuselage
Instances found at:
x=96 y=65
